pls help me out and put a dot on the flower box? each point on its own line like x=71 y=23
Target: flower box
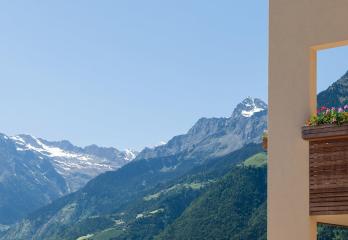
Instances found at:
x=328 y=168
x=324 y=132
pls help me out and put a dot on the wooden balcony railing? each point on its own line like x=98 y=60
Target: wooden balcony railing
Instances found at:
x=328 y=169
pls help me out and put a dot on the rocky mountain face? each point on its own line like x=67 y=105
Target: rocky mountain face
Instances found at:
x=213 y=137
x=34 y=172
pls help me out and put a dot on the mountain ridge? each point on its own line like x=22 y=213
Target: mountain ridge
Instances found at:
x=210 y=137
x=76 y=164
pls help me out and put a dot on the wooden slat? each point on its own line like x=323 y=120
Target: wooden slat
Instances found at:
x=330 y=208
x=329 y=204
x=328 y=190
x=329 y=199
x=316 y=164
x=328 y=194
x=326 y=186
x=322 y=154
x=337 y=142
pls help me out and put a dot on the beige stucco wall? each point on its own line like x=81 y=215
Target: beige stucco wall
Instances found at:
x=297 y=29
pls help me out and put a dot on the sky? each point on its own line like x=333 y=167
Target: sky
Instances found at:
x=331 y=65
x=128 y=73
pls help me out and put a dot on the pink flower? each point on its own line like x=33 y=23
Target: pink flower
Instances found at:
x=345 y=107
x=327 y=111
x=333 y=108
x=340 y=109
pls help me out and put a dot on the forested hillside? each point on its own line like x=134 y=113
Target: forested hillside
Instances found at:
x=233 y=208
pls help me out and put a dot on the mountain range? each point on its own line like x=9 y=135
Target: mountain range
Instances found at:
x=77 y=165
x=112 y=199
x=34 y=171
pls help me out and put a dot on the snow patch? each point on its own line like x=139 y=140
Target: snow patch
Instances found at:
x=129 y=155
x=251 y=107
x=251 y=112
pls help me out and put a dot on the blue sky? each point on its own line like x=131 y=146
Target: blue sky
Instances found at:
x=331 y=65
x=127 y=73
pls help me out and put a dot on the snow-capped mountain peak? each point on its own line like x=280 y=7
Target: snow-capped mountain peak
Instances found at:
x=249 y=106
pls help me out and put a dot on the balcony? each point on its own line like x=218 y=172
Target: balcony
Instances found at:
x=328 y=169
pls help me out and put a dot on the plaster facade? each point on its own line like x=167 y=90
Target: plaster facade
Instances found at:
x=298 y=29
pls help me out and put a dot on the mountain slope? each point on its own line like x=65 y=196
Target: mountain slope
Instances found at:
x=335 y=95
x=257 y=160
x=27 y=182
x=105 y=194
x=146 y=217
x=239 y=214
x=139 y=211
x=34 y=172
